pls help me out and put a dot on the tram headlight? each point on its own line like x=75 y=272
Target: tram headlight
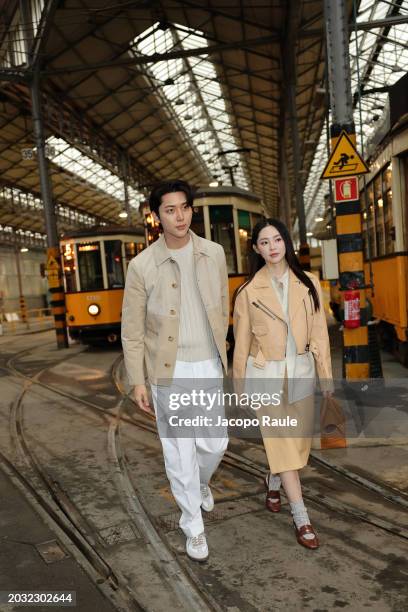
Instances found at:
x=94 y=309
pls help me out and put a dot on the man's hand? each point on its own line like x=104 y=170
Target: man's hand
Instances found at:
x=141 y=398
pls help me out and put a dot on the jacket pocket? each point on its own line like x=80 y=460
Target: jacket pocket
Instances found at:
x=259 y=330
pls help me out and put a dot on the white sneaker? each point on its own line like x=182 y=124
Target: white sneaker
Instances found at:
x=207 y=500
x=197 y=548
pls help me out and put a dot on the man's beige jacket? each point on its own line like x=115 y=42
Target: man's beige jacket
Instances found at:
x=151 y=307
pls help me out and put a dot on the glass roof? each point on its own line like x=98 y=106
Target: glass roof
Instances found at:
x=390 y=65
x=96 y=176
x=191 y=87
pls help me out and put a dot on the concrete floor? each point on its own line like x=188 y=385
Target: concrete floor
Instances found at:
x=255 y=562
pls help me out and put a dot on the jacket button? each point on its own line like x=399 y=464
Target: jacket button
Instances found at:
x=172 y=312
x=174 y=285
x=170 y=338
x=167 y=365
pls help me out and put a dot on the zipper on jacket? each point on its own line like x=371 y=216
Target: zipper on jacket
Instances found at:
x=307 y=328
x=265 y=307
x=273 y=315
x=265 y=310
x=311 y=303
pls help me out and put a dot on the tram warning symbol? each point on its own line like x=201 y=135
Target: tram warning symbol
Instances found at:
x=344 y=160
x=53 y=268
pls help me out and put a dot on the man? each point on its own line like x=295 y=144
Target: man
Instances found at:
x=174 y=323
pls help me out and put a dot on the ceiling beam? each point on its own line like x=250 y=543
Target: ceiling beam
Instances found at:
x=154 y=58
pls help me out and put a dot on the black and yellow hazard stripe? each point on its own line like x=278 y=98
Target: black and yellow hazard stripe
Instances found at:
x=58 y=303
x=304 y=256
x=356 y=357
x=58 y=311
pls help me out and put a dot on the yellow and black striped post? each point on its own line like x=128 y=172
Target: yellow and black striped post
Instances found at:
x=342 y=163
x=56 y=287
x=356 y=357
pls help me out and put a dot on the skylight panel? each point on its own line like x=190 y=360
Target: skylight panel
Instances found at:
x=72 y=159
x=195 y=97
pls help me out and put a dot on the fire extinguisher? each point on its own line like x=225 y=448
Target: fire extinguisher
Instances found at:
x=351 y=308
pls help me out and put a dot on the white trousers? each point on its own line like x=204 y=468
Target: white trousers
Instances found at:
x=191 y=461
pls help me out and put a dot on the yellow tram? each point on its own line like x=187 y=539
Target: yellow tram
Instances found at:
x=384 y=206
x=95 y=262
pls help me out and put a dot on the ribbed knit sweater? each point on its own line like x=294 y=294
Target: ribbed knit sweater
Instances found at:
x=196 y=340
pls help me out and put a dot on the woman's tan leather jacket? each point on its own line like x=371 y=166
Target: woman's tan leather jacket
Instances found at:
x=260 y=328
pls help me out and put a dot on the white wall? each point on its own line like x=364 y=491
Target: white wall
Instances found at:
x=34 y=286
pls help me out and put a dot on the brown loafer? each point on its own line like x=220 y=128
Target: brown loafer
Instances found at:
x=300 y=533
x=273 y=498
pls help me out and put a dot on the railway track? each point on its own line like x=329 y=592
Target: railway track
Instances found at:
x=177 y=572
x=394 y=495
x=67 y=520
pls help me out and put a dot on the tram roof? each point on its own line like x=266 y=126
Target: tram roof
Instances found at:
x=177 y=88
x=112 y=230
x=226 y=190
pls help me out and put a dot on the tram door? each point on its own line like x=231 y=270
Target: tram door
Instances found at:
x=222 y=231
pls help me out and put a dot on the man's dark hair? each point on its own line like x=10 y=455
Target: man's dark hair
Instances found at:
x=171 y=186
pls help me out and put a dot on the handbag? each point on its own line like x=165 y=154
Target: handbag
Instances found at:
x=332 y=424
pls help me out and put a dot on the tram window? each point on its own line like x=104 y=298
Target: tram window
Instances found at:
x=244 y=228
x=255 y=218
x=114 y=268
x=389 y=232
x=364 y=223
x=132 y=249
x=197 y=222
x=378 y=219
x=222 y=231
x=379 y=216
x=371 y=221
x=68 y=259
x=90 y=266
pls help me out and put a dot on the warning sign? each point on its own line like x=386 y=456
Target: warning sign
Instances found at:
x=344 y=160
x=53 y=272
x=345 y=189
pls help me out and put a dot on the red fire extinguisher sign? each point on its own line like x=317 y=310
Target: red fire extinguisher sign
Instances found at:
x=345 y=189
x=351 y=309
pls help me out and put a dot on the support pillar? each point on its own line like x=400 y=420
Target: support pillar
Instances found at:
x=290 y=77
x=55 y=281
x=356 y=358
x=125 y=186
x=284 y=190
x=22 y=300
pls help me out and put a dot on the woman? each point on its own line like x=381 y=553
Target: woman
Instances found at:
x=281 y=335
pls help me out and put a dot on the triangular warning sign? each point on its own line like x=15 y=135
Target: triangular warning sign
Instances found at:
x=52 y=262
x=344 y=160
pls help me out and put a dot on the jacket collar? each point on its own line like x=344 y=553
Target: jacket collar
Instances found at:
x=161 y=252
x=262 y=284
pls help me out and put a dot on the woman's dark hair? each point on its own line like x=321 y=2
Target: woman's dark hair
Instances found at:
x=256 y=261
x=171 y=186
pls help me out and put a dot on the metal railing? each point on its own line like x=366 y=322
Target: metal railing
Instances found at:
x=30 y=319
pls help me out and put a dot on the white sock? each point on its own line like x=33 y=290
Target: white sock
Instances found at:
x=301 y=517
x=274 y=482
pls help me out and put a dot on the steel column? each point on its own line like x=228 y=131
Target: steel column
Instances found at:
x=55 y=281
x=290 y=77
x=356 y=357
x=124 y=165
